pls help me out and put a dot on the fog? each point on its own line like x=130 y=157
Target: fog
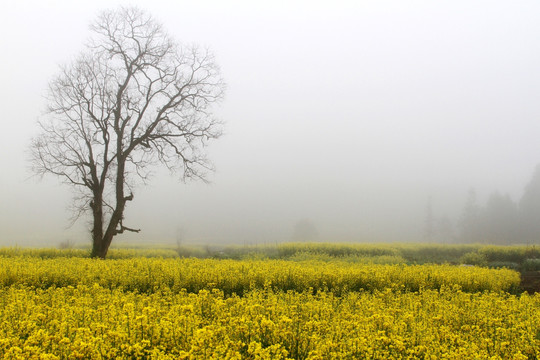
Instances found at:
x=351 y=116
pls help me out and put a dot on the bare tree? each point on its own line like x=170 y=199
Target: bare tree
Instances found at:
x=132 y=99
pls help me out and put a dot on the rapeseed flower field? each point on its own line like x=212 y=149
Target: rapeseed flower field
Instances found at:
x=167 y=308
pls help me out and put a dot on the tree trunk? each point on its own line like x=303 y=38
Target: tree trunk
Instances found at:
x=102 y=240
x=97 y=228
x=98 y=250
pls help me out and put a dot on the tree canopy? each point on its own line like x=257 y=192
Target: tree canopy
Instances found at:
x=135 y=97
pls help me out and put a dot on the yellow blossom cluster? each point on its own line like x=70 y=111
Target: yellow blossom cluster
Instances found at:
x=92 y=322
x=157 y=308
x=233 y=276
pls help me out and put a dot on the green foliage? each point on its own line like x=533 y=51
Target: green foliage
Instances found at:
x=515 y=254
x=474 y=258
x=504 y=264
x=482 y=255
x=49 y=253
x=45 y=253
x=288 y=250
x=531 y=265
x=356 y=259
x=146 y=253
x=434 y=253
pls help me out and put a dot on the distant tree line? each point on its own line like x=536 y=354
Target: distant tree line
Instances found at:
x=502 y=220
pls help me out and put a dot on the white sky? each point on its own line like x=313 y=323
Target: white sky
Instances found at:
x=348 y=113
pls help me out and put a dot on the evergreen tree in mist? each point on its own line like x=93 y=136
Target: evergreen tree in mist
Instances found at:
x=500 y=219
x=471 y=226
x=305 y=230
x=495 y=223
x=529 y=210
x=445 y=230
x=429 y=226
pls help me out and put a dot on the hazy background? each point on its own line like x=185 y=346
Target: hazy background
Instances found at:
x=348 y=114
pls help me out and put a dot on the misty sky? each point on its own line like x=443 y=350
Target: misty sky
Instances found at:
x=348 y=113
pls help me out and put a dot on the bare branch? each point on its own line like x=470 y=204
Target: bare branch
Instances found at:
x=135 y=97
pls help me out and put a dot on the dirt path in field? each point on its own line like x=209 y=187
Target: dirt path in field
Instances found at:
x=530 y=281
